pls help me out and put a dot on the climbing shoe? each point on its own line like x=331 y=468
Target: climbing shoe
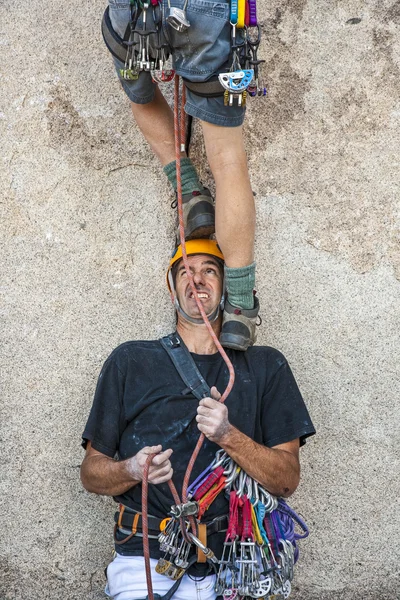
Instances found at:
x=239 y=326
x=198 y=215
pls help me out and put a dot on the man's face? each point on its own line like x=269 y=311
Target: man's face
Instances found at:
x=207 y=277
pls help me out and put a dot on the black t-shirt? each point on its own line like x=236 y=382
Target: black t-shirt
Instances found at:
x=139 y=401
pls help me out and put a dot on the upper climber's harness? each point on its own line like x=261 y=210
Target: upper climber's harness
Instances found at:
x=133 y=50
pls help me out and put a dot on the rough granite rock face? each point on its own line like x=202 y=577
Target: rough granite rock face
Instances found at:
x=86 y=232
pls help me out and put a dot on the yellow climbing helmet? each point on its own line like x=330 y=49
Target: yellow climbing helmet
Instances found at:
x=204 y=246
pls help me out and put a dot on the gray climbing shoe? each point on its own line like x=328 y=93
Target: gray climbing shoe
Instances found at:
x=198 y=215
x=239 y=326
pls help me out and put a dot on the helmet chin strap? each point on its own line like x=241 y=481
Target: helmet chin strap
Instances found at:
x=212 y=317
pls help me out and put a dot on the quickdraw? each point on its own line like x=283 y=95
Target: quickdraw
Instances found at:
x=252 y=42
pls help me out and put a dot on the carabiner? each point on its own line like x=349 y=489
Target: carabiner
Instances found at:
x=256 y=497
x=249 y=486
x=229 y=468
x=220 y=456
x=241 y=483
x=233 y=476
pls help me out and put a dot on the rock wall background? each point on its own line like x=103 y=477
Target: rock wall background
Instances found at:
x=86 y=230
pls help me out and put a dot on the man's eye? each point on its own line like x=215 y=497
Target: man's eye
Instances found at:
x=210 y=271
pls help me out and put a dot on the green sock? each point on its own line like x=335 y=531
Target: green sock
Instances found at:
x=190 y=179
x=240 y=284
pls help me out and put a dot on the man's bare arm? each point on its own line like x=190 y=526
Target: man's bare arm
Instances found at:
x=101 y=474
x=277 y=468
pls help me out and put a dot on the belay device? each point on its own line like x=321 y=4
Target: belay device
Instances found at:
x=244 y=74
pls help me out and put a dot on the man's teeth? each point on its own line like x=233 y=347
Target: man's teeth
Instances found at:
x=200 y=295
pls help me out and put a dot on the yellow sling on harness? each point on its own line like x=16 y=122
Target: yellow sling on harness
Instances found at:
x=256 y=529
x=241 y=14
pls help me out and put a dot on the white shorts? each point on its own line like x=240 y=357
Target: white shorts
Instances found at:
x=126 y=580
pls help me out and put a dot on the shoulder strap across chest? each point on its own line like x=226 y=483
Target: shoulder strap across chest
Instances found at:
x=185 y=365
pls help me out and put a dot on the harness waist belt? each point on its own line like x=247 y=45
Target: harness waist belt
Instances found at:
x=219 y=524
x=205 y=89
x=114 y=43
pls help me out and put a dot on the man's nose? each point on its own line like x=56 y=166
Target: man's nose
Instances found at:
x=198 y=278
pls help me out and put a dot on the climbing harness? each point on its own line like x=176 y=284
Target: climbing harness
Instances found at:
x=133 y=50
